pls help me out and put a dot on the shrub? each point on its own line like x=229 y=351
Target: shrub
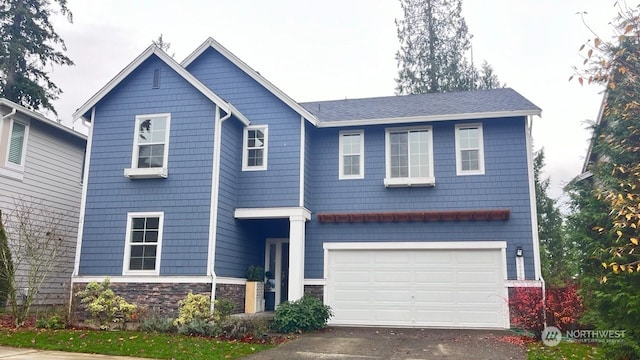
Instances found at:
x=6 y=266
x=255 y=273
x=104 y=306
x=563 y=308
x=625 y=350
x=223 y=308
x=152 y=321
x=192 y=307
x=241 y=329
x=53 y=322
x=197 y=326
x=305 y=314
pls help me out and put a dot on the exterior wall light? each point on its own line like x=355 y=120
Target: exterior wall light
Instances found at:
x=519 y=252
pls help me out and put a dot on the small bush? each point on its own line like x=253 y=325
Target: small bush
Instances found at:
x=223 y=308
x=193 y=307
x=255 y=273
x=53 y=322
x=305 y=314
x=104 y=306
x=152 y=321
x=241 y=329
x=625 y=350
x=197 y=326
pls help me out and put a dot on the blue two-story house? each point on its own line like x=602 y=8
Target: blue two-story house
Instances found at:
x=401 y=211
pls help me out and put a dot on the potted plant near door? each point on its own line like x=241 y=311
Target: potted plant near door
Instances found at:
x=254 y=290
x=270 y=291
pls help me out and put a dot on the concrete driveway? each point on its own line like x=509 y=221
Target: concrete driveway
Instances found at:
x=396 y=344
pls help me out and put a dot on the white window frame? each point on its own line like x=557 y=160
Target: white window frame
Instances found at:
x=480 y=170
x=154 y=172
x=245 y=148
x=128 y=243
x=342 y=135
x=408 y=181
x=23 y=154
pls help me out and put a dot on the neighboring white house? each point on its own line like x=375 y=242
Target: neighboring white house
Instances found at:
x=41 y=164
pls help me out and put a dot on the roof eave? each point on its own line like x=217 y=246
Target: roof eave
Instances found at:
x=210 y=42
x=429 y=118
x=35 y=115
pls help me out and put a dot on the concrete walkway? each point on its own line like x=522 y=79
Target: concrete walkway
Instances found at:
x=9 y=353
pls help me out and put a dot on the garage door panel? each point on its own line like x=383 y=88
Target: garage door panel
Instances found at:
x=426 y=287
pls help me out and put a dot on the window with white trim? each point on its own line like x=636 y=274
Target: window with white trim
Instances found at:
x=469 y=149
x=351 y=161
x=150 y=146
x=17 y=144
x=255 y=148
x=409 y=157
x=143 y=243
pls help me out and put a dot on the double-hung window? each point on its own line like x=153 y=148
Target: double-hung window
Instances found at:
x=143 y=243
x=150 y=147
x=469 y=149
x=351 y=160
x=255 y=148
x=409 y=157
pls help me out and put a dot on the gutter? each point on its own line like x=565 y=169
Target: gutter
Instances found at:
x=12 y=113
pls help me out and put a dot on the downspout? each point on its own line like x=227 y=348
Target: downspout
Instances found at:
x=215 y=188
x=13 y=112
x=83 y=201
x=534 y=224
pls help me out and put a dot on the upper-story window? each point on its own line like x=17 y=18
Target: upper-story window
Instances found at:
x=351 y=160
x=255 y=148
x=409 y=157
x=469 y=149
x=150 y=146
x=143 y=243
x=17 y=144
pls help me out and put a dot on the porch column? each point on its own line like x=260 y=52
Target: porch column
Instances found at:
x=296 y=256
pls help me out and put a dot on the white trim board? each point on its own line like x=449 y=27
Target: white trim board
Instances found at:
x=435 y=245
x=271 y=213
x=35 y=115
x=150 y=279
x=211 y=43
x=154 y=50
x=230 y=280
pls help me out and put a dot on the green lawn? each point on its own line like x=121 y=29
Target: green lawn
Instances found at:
x=564 y=350
x=129 y=343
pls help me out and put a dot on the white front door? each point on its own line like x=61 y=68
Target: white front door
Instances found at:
x=277 y=269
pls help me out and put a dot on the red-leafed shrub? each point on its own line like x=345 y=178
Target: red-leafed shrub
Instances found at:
x=563 y=308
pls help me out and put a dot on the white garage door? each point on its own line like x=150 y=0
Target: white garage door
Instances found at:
x=460 y=288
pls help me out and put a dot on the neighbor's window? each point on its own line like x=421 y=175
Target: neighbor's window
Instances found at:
x=17 y=144
x=409 y=157
x=469 y=149
x=351 y=160
x=254 y=155
x=143 y=243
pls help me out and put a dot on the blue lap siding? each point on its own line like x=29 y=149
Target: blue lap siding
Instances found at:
x=185 y=196
x=504 y=185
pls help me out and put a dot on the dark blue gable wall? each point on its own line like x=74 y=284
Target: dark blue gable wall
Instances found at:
x=184 y=196
x=279 y=184
x=504 y=185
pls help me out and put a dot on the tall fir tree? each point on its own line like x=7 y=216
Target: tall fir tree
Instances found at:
x=434 y=43
x=28 y=45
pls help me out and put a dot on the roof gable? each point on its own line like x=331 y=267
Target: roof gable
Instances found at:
x=462 y=105
x=39 y=117
x=152 y=50
x=211 y=43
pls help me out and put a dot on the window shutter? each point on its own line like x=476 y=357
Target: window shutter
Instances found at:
x=16 y=143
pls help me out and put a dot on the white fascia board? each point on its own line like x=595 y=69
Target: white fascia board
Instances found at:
x=37 y=116
x=434 y=245
x=210 y=42
x=230 y=280
x=272 y=213
x=430 y=118
x=154 y=50
x=146 y=279
x=523 y=283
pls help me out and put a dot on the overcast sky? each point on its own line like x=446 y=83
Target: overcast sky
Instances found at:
x=335 y=49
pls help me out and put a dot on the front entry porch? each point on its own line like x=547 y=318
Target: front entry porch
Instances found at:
x=284 y=257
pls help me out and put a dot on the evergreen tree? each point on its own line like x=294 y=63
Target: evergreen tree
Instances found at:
x=434 y=41
x=557 y=253
x=28 y=44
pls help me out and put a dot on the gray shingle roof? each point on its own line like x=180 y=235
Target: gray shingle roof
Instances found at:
x=502 y=101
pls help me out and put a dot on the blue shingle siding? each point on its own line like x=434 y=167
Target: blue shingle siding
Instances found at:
x=279 y=184
x=184 y=196
x=504 y=185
